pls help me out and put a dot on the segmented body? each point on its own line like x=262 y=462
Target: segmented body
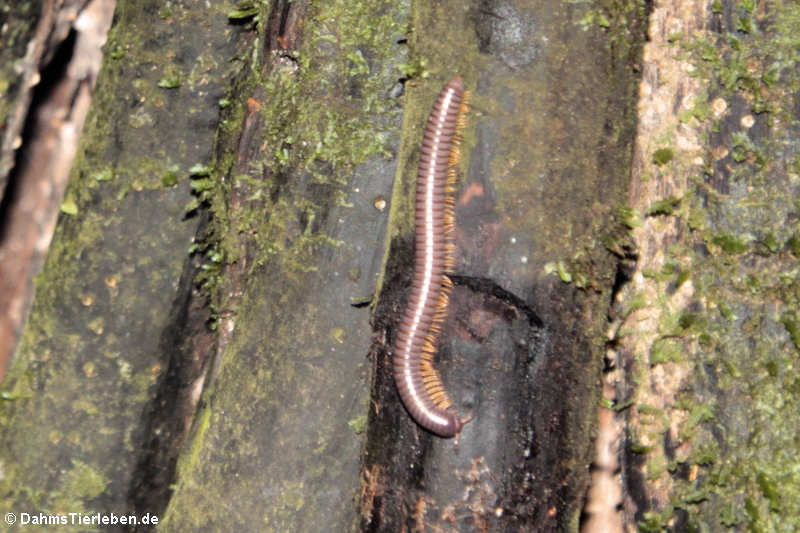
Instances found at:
x=417 y=380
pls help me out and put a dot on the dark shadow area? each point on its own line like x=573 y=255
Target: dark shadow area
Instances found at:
x=188 y=345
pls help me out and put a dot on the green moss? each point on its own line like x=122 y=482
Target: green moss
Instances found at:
x=68 y=206
x=105 y=174
x=201 y=424
x=653 y=522
x=692 y=496
x=314 y=129
x=699 y=411
x=416 y=68
x=771 y=243
x=662 y=156
x=656 y=467
x=170 y=80
x=701 y=110
x=740 y=456
x=358 y=424
x=617 y=20
x=705 y=454
x=769 y=488
x=790 y=322
x=664 y=207
x=751 y=507
x=665 y=351
x=688 y=321
x=758 y=58
x=667 y=272
x=560 y=268
x=622 y=405
x=244 y=10
x=730 y=244
x=116 y=256
x=311 y=119
x=170 y=178
x=80 y=484
x=649 y=409
x=697 y=219
x=745 y=150
x=793 y=244
x=725 y=311
x=640 y=448
x=638 y=301
x=629 y=216
x=675 y=37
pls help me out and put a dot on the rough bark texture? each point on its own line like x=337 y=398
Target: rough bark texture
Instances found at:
x=305 y=169
x=194 y=350
x=707 y=341
x=24 y=33
x=48 y=107
x=78 y=411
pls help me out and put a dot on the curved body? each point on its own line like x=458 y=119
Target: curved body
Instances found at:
x=417 y=381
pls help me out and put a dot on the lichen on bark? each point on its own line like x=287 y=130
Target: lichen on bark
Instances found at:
x=711 y=352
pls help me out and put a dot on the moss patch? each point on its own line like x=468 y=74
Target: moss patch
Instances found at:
x=737 y=224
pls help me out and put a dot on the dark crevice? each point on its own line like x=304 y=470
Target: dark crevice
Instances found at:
x=190 y=345
x=482 y=20
x=629 y=461
x=396 y=449
x=284 y=16
x=491 y=288
x=625 y=269
x=281 y=28
x=634 y=482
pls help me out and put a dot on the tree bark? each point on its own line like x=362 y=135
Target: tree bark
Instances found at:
x=107 y=348
x=200 y=346
x=707 y=338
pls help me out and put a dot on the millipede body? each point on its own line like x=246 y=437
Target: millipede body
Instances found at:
x=417 y=380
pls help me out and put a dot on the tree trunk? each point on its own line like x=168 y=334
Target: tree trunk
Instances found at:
x=707 y=333
x=200 y=347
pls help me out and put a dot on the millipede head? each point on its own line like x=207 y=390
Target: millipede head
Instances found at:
x=459 y=424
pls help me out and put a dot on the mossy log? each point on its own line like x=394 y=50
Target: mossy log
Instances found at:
x=200 y=347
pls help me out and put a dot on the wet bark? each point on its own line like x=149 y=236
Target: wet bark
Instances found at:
x=200 y=347
x=108 y=348
x=548 y=151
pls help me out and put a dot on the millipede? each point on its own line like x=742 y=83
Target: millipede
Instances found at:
x=418 y=382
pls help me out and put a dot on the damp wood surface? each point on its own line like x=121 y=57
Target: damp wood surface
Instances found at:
x=193 y=344
x=277 y=444
x=237 y=385
x=280 y=211
x=46 y=92
x=195 y=308
x=18 y=61
x=77 y=409
x=545 y=165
